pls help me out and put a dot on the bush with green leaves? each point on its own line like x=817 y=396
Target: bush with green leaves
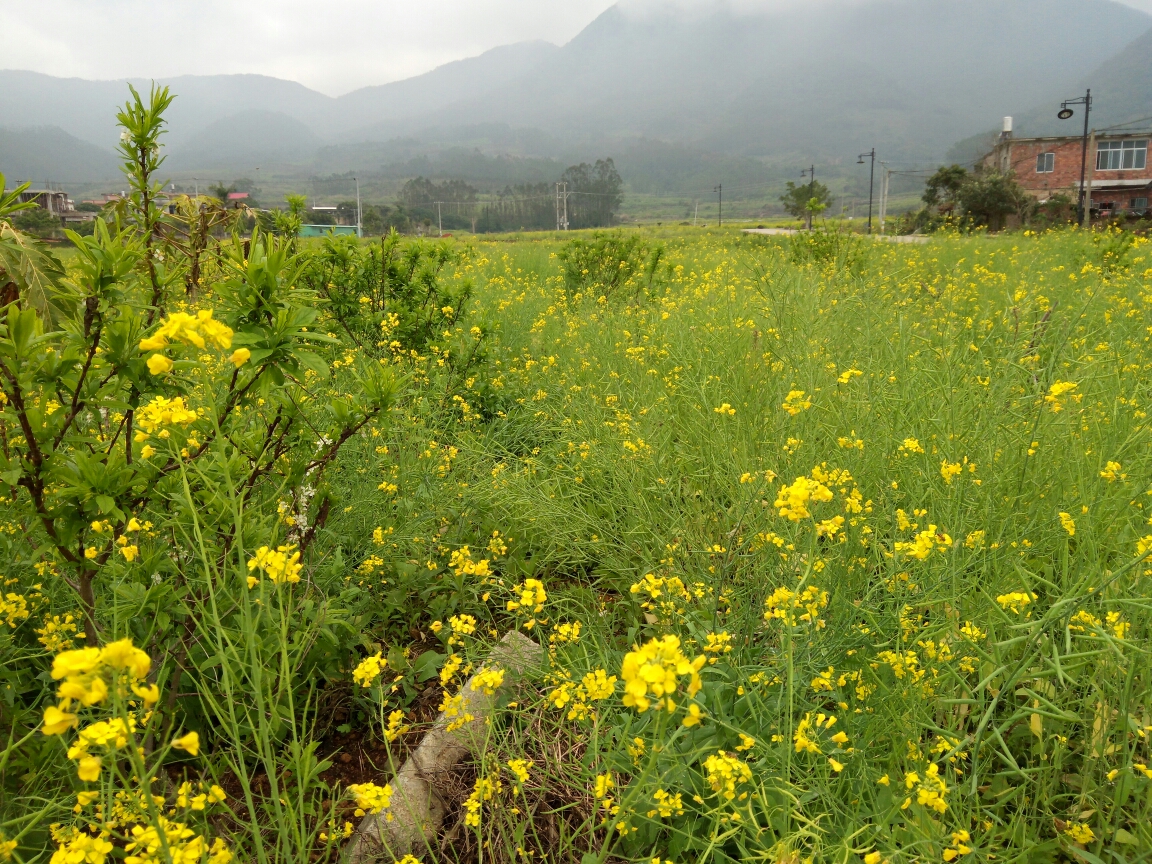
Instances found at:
x=163 y=471
x=609 y=265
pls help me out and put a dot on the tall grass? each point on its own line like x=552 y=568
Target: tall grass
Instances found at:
x=852 y=478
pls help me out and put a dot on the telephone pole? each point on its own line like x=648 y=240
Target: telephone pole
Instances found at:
x=561 y=206
x=720 y=216
x=871 y=181
x=811 y=173
x=359 y=219
x=884 y=195
x=439 y=220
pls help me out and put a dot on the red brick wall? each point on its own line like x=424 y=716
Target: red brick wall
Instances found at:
x=1065 y=176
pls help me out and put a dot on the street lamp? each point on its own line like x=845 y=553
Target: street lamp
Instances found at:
x=871 y=178
x=1065 y=114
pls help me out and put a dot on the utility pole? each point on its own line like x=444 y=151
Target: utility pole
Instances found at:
x=1084 y=204
x=720 y=218
x=871 y=181
x=439 y=220
x=695 y=214
x=811 y=172
x=562 y=206
x=884 y=195
x=359 y=219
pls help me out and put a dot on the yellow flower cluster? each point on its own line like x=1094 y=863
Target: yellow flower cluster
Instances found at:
x=199 y=330
x=13 y=609
x=650 y=674
x=925 y=543
x=86 y=673
x=520 y=769
x=795 y=402
x=369 y=669
x=1068 y=524
x=565 y=633
x=667 y=595
x=485 y=789
x=488 y=681
x=173 y=842
x=959 y=846
x=461 y=626
x=1056 y=393
x=161 y=412
x=725 y=773
x=783 y=604
x=792 y=501
x=930 y=790
x=529 y=600
x=200 y=796
x=79 y=848
x=1015 y=601
x=461 y=562
x=57 y=633
x=281 y=564
x=371 y=798
x=596 y=686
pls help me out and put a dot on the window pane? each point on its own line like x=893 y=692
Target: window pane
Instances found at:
x=1040 y=163
x=1129 y=153
x=1051 y=161
x=1141 y=160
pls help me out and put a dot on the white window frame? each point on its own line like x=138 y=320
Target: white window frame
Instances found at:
x=1045 y=162
x=1126 y=155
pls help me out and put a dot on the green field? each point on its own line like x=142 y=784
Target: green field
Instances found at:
x=852 y=533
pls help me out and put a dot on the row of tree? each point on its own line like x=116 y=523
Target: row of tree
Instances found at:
x=591 y=194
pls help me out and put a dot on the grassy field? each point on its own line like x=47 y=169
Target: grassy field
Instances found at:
x=834 y=546
x=968 y=604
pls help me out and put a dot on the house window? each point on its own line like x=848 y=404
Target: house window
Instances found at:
x=1045 y=163
x=1139 y=203
x=1121 y=155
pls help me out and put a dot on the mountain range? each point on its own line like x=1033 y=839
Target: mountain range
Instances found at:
x=682 y=88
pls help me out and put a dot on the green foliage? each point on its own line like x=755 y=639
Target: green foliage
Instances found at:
x=26 y=268
x=595 y=192
x=828 y=247
x=609 y=265
x=989 y=197
x=943 y=188
x=38 y=222
x=797 y=200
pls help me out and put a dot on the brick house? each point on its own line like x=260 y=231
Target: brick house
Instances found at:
x=1117 y=171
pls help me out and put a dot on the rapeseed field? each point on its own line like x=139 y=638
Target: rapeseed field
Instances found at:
x=833 y=549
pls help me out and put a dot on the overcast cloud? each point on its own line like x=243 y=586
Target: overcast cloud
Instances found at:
x=329 y=45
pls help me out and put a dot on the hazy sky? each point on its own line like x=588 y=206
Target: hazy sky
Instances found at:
x=330 y=45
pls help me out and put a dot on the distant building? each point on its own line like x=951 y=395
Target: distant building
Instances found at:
x=55 y=202
x=1117 y=172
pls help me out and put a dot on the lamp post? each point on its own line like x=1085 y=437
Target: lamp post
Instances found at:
x=1066 y=113
x=810 y=173
x=871 y=178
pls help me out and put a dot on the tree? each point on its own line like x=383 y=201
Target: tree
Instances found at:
x=38 y=222
x=989 y=197
x=944 y=186
x=797 y=200
x=595 y=193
